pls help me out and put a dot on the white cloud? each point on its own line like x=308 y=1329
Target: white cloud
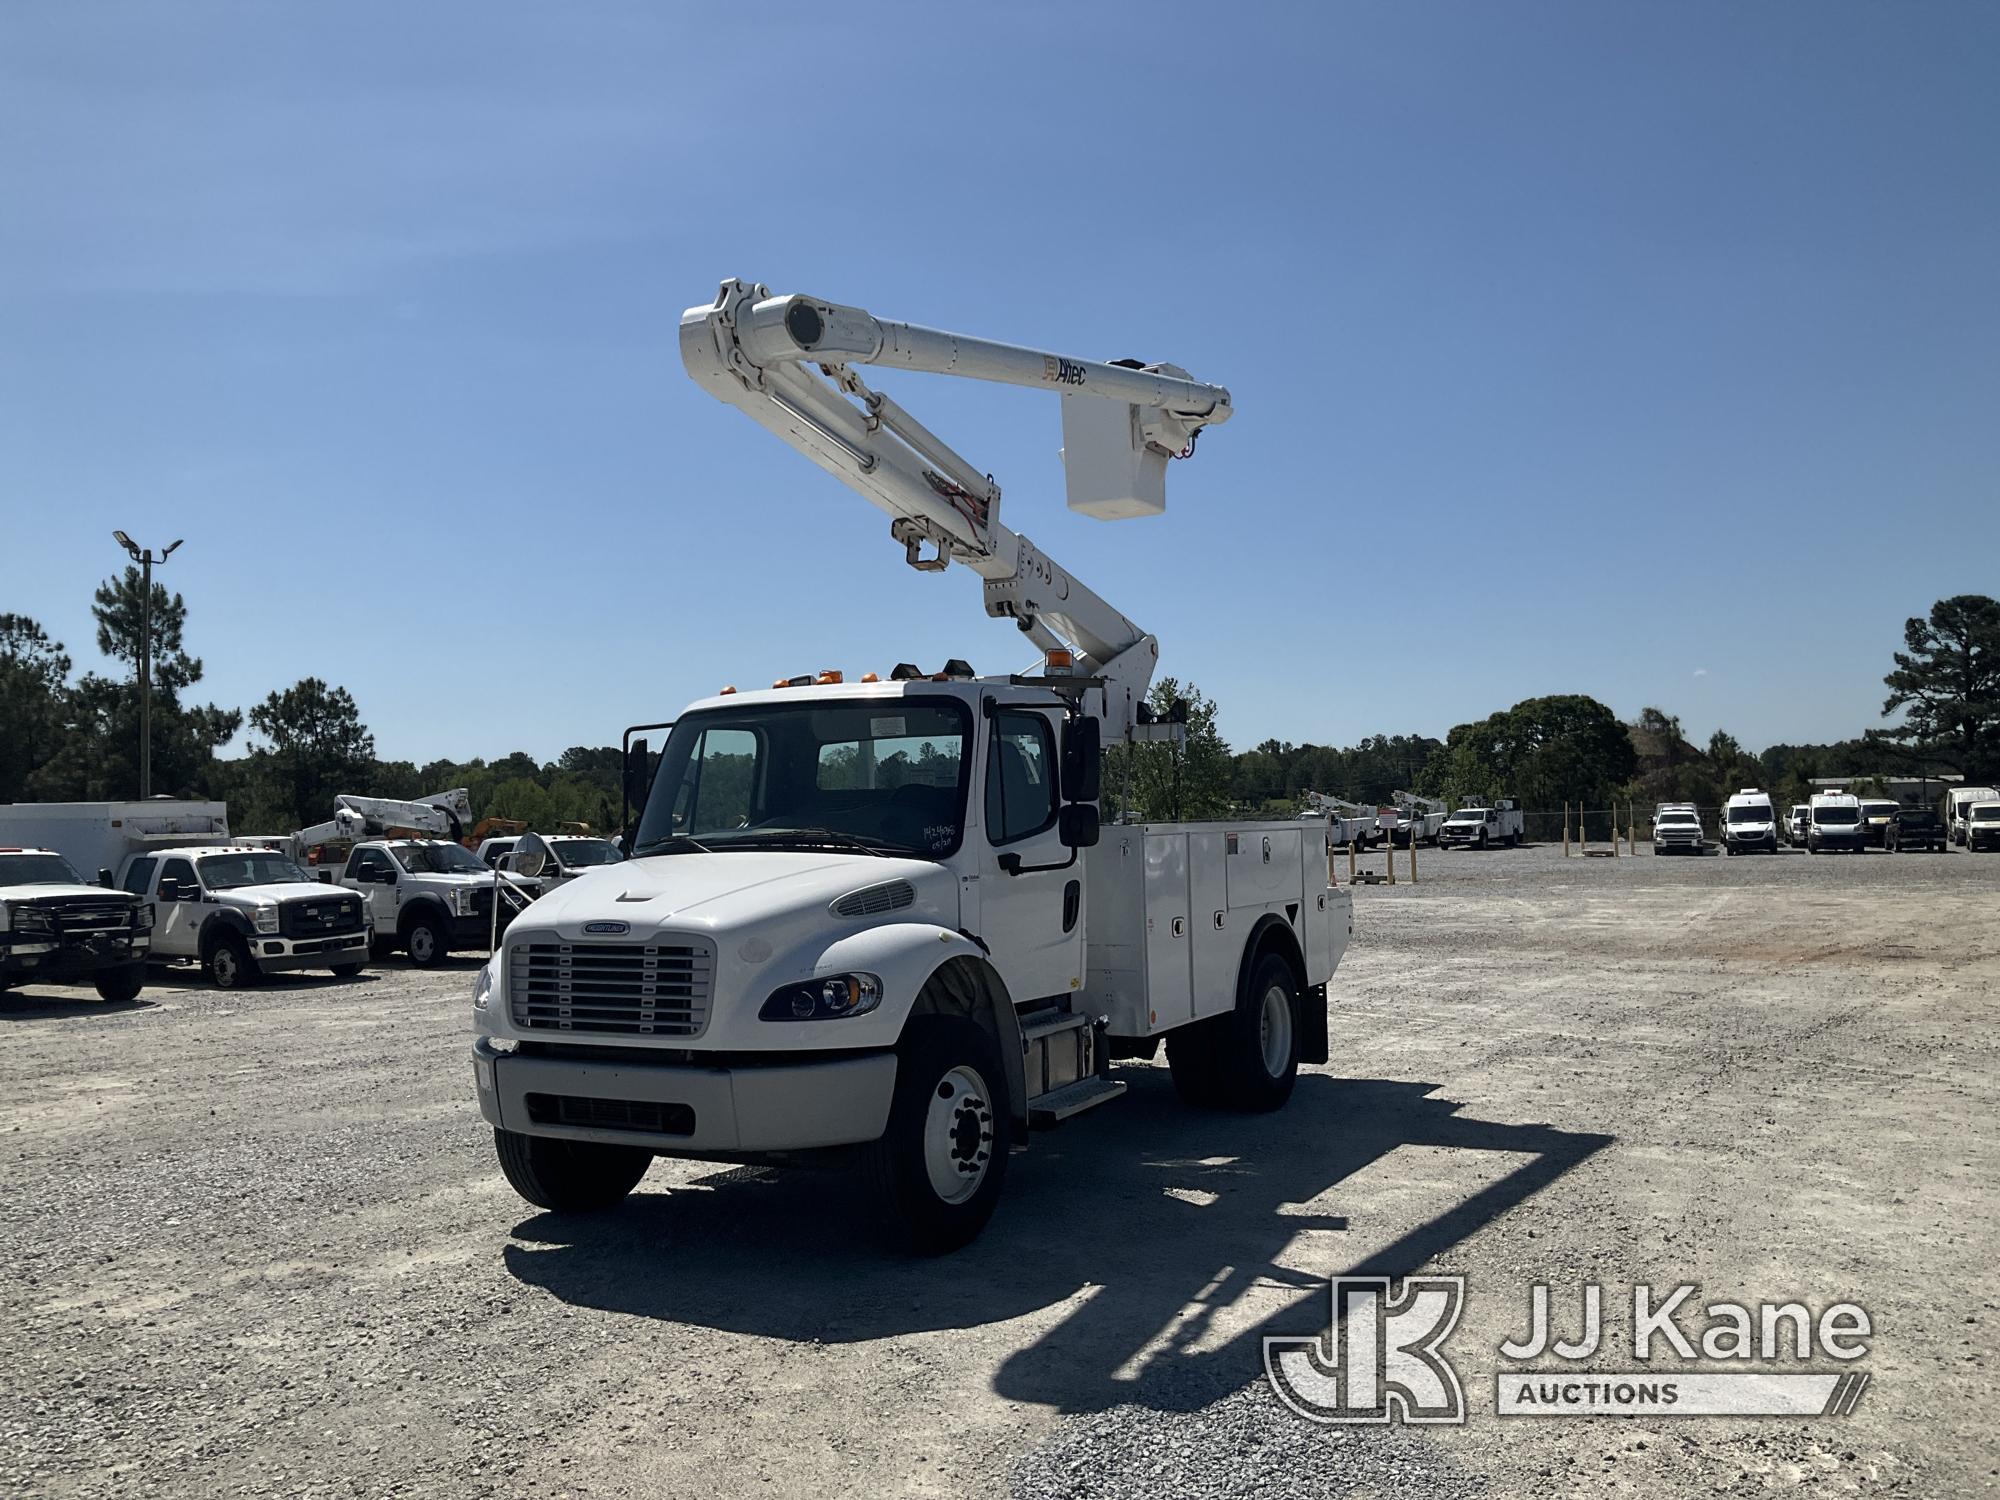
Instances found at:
x=1701 y=671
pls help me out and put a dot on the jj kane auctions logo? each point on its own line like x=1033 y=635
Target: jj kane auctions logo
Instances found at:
x=1382 y=1357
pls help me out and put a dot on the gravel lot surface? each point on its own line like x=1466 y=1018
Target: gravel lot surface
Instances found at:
x=258 y=1244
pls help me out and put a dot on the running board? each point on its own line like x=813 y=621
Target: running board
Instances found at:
x=1058 y=1105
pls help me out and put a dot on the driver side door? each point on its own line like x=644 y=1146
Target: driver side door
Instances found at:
x=1031 y=886
x=177 y=911
x=373 y=875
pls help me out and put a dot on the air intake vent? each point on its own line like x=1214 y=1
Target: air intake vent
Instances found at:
x=872 y=901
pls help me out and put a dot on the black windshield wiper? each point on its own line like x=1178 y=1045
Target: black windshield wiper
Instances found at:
x=825 y=838
x=665 y=845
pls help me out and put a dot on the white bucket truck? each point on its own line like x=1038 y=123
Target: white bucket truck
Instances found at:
x=426 y=893
x=877 y=921
x=236 y=910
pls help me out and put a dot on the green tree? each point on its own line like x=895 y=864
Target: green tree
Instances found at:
x=1946 y=683
x=1174 y=780
x=1543 y=752
x=317 y=747
x=118 y=607
x=34 y=684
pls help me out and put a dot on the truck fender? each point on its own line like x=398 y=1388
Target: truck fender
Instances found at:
x=216 y=923
x=1272 y=934
x=428 y=905
x=934 y=971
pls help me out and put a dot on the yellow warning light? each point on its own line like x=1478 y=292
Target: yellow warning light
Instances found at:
x=1059 y=660
x=828 y=678
x=869 y=677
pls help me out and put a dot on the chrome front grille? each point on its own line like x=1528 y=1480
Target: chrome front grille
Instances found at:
x=627 y=989
x=89 y=918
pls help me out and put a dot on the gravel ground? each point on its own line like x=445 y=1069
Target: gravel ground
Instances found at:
x=260 y=1247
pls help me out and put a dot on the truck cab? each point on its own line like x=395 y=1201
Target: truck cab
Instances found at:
x=55 y=929
x=880 y=922
x=241 y=911
x=430 y=896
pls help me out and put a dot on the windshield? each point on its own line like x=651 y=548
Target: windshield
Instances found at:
x=1677 y=817
x=1879 y=809
x=225 y=872
x=575 y=854
x=1984 y=814
x=438 y=859
x=36 y=869
x=887 y=774
x=1752 y=814
x=1836 y=815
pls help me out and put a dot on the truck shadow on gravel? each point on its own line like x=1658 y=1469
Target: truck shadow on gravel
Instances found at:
x=18 y=1006
x=1160 y=1216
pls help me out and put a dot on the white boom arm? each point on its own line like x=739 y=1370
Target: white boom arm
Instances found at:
x=445 y=813
x=786 y=361
x=1422 y=806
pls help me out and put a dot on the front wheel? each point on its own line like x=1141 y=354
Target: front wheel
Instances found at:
x=569 y=1177
x=230 y=966
x=120 y=985
x=426 y=942
x=346 y=971
x=939 y=1166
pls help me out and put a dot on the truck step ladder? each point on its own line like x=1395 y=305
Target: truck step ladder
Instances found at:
x=1058 y=1105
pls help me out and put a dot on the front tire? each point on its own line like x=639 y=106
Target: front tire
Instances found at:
x=938 y=1169
x=425 y=942
x=119 y=986
x=346 y=971
x=229 y=964
x=569 y=1177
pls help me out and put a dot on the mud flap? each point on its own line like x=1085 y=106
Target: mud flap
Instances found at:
x=1312 y=1026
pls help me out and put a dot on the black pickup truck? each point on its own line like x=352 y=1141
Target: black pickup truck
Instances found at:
x=1913 y=828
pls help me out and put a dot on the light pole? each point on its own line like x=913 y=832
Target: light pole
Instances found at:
x=144 y=557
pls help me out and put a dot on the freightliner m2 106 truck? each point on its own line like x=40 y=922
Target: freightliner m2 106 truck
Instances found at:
x=878 y=922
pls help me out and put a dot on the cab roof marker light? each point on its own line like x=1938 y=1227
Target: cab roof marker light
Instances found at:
x=870 y=677
x=727 y=691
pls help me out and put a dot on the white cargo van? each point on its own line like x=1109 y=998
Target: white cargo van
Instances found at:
x=1836 y=823
x=1749 y=822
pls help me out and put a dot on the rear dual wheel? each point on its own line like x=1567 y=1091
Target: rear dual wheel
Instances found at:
x=1248 y=1058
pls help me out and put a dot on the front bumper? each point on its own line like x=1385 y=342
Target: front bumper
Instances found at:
x=686 y=1108
x=278 y=955
x=1982 y=841
x=59 y=960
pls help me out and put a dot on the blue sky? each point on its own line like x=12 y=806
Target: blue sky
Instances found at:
x=1648 y=352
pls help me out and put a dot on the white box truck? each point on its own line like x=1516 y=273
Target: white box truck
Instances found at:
x=878 y=922
x=1958 y=803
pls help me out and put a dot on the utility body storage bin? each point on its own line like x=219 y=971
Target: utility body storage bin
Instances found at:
x=1172 y=906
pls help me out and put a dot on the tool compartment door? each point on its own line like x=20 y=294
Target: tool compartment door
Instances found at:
x=1169 y=961
x=1263 y=866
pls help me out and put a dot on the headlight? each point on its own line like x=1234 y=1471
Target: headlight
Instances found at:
x=142 y=917
x=6 y=917
x=266 y=918
x=482 y=987
x=461 y=901
x=827 y=999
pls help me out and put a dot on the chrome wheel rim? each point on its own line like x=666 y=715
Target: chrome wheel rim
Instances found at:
x=422 y=945
x=958 y=1135
x=224 y=965
x=1274 y=1030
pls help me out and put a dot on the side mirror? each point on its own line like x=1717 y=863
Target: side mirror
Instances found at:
x=1076 y=826
x=530 y=857
x=104 y=878
x=1082 y=762
x=637 y=763
x=383 y=877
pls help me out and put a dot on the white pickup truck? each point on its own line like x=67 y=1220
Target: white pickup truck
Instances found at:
x=1479 y=826
x=430 y=896
x=55 y=929
x=242 y=912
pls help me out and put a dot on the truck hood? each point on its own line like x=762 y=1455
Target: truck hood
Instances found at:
x=279 y=891
x=61 y=891
x=717 y=891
